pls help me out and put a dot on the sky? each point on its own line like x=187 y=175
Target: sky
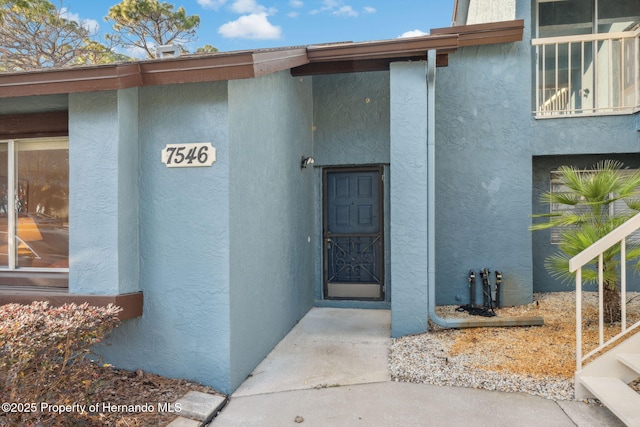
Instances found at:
x=252 y=24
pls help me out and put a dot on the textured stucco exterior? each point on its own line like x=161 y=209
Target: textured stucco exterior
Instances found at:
x=483 y=11
x=487 y=141
x=183 y=262
x=272 y=240
x=409 y=198
x=230 y=257
x=94 y=157
x=351 y=119
x=226 y=252
x=483 y=171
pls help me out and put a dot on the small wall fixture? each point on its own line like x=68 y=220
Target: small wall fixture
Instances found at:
x=306 y=161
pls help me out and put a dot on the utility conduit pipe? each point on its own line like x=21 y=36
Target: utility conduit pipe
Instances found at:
x=431 y=224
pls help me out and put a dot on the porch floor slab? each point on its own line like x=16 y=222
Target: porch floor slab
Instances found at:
x=329 y=347
x=331 y=370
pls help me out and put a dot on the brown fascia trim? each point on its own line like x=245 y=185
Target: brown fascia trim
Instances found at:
x=384 y=49
x=238 y=65
x=443 y=40
x=186 y=69
x=131 y=304
x=34 y=125
x=249 y=64
x=376 y=56
x=482 y=34
x=68 y=80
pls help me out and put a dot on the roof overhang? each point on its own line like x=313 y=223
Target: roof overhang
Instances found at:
x=309 y=60
x=384 y=49
x=483 y=34
x=186 y=69
x=376 y=56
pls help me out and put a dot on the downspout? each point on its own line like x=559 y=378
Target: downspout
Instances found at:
x=431 y=223
x=460 y=13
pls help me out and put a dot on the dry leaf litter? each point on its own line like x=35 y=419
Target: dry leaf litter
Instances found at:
x=538 y=360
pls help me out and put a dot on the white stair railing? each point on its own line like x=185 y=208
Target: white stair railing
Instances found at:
x=555 y=104
x=617 y=236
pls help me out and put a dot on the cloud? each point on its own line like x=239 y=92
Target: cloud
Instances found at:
x=330 y=4
x=246 y=6
x=345 y=11
x=338 y=8
x=212 y=4
x=327 y=5
x=90 y=25
x=296 y=3
x=253 y=26
x=292 y=14
x=412 y=33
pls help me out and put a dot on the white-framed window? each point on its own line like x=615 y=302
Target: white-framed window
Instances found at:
x=34 y=204
x=588 y=57
x=617 y=207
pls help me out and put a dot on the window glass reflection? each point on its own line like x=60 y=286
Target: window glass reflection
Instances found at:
x=565 y=18
x=4 y=198
x=42 y=203
x=34 y=203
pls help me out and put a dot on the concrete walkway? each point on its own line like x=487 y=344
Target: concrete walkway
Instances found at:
x=331 y=370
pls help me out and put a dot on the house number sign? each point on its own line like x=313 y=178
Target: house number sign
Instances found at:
x=188 y=155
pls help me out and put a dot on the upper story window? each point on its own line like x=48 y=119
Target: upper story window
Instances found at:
x=587 y=57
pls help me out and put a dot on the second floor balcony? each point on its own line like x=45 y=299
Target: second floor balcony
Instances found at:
x=590 y=74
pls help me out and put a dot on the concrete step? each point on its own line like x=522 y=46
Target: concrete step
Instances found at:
x=632 y=360
x=621 y=399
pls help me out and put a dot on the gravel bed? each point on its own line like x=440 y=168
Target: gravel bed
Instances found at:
x=425 y=359
x=535 y=360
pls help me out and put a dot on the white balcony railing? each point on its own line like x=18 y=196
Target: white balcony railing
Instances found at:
x=588 y=74
x=617 y=236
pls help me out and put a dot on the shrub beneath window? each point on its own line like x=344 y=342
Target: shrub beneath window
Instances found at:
x=39 y=348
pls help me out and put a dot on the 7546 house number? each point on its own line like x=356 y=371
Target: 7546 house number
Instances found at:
x=188 y=155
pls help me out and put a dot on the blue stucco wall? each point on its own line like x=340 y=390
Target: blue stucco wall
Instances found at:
x=183 y=230
x=409 y=291
x=486 y=140
x=351 y=119
x=585 y=135
x=351 y=127
x=483 y=168
x=271 y=214
x=103 y=134
x=483 y=171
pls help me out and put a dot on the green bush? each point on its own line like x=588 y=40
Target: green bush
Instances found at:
x=41 y=349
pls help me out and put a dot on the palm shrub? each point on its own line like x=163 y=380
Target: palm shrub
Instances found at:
x=585 y=217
